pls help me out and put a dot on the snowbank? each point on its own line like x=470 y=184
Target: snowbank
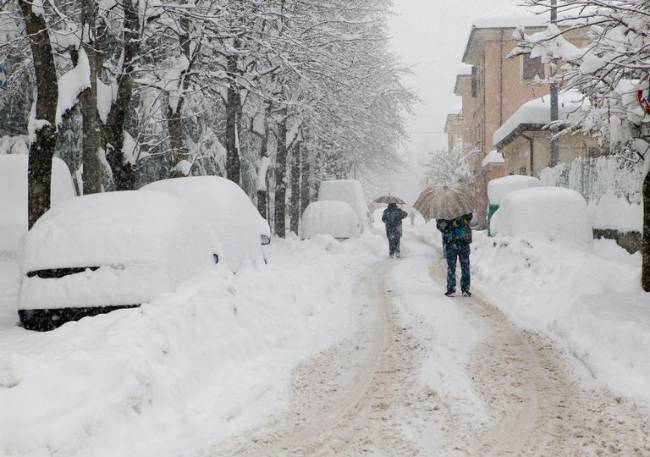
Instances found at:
x=145 y=243
x=335 y=218
x=538 y=113
x=348 y=191
x=193 y=367
x=228 y=210
x=616 y=213
x=13 y=197
x=547 y=213
x=500 y=187
x=588 y=301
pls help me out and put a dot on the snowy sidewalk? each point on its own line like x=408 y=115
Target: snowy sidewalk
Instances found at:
x=195 y=366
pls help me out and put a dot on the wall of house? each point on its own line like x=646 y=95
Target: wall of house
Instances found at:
x=517 y=153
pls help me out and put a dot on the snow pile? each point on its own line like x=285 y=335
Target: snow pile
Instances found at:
x=335 y=218
x=493 y=158
x=616 y=213
x=588 y=301
x=500 y=187
x=228 y=210
x=13 y=197
x=348 y=191
x=171 y=378
x=547 y=213
x=145 y=243
x=571 y=106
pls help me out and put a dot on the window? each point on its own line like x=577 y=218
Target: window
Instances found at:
x=532 y=68
x=474 y=82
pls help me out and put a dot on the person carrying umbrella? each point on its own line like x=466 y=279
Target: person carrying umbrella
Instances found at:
x=392 y=217
x=451 y=206
x=456 y=238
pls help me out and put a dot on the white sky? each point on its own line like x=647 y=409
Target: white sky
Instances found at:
x=429 y=37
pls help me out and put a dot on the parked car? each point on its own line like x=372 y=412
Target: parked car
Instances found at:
x=228 y=210
x=101 y=252
x=334 y=218
x=349 y=191
x=13 y=198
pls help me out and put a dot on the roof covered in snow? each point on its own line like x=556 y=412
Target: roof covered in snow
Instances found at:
x=535 y=114
x=507 y=17
x=493 y=158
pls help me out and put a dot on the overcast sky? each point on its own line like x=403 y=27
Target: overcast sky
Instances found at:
x=429 y=36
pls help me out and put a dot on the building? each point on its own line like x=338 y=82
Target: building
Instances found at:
x=455 y=127
x=524 y=141
x=493 y=87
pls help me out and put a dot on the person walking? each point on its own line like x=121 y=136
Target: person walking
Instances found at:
x=456 y=238
x=392 y=217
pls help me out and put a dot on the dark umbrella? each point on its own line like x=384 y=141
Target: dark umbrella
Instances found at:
x=388 y=199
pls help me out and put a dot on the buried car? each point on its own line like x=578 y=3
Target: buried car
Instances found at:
x=229 y=212
x=13 y=198
x=102 y=252
x=349 y=191
x=334 y=218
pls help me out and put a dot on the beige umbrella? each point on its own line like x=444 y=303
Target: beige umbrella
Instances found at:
x=443 y=202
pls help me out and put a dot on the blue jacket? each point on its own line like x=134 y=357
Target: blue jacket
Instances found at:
x=456 y=231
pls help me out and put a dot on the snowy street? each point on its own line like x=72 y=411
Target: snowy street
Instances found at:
x=375 y=362
x=428 y=375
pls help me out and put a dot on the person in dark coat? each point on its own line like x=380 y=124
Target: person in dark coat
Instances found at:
x=392 y=217
x=456 y=238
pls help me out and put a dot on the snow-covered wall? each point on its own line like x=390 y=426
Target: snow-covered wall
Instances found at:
x=610 y=184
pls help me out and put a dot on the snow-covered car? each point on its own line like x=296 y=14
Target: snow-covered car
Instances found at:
x=332 y=217
x=228 y=210
x=13 y=197
x=551 y=214
x=349 y=191
x=97 y=253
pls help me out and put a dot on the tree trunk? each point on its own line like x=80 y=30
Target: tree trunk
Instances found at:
x=263 y=181
x=178 y=149
x=280 y=178
x=233 y=115
x=645 y=269
x=41 y=150
x=92 y=175
x=294 y=210
x=305 y=185
x=113 y=132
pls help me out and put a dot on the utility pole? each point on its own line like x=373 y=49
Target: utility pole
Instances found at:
x=555 y=142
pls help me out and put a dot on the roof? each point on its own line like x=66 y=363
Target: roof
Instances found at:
x=508 y=17
x=536 y=114
x=493 y=158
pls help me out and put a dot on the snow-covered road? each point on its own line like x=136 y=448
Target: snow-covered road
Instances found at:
x=331 y=350
x=426 y=375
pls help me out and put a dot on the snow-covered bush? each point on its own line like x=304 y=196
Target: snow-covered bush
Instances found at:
x=13 y=197
x=334 y=218
x=228 y=210
x=129 y=247
x=500 y=187
x=547 y=213
x=349 y=191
